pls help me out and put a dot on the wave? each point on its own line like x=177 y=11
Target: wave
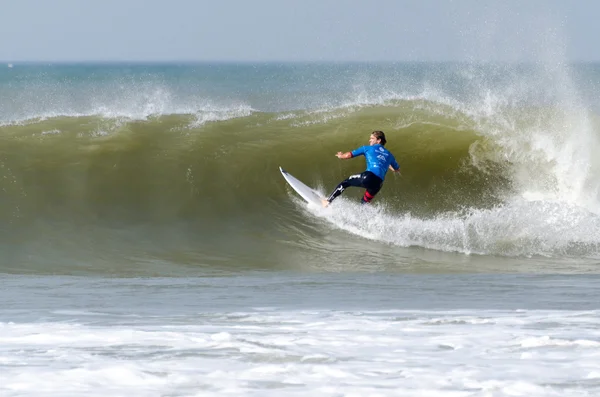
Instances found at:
x=521 y=181
x=170 y=159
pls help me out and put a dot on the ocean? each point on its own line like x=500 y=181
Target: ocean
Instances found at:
x=151 y=247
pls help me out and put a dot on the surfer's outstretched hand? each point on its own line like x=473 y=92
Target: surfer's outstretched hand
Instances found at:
x=341 y=155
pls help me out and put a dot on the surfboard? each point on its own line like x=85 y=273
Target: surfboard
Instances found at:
x=308 y=194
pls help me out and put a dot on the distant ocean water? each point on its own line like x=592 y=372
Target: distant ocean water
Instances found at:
x=150 y=245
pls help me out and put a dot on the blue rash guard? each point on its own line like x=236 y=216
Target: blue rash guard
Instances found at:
x=378 y=159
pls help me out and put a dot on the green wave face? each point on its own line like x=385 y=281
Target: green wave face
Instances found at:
x=142 y=180
x=166 y=168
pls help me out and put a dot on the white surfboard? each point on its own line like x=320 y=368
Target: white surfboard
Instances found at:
x=304 y=191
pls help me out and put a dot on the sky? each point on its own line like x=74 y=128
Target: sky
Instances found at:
x=299 y=30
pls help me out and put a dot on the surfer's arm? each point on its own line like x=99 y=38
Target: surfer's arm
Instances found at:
x=394 y=166
x=396 y=171
x=347 y=155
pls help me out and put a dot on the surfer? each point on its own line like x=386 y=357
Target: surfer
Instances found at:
x=378 y=159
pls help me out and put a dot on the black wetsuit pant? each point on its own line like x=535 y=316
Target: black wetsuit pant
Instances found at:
x=366 y=180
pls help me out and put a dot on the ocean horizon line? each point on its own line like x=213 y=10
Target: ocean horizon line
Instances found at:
x=187 y=62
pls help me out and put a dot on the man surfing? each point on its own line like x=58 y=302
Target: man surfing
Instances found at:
x=378 y=159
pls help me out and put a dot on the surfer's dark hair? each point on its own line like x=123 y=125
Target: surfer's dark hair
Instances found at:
x=379 y=135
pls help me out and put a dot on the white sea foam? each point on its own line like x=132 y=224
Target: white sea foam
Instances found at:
x=516 y=228
x=271 y=353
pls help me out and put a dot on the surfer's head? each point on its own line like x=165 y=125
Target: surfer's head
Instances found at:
x=377 y=137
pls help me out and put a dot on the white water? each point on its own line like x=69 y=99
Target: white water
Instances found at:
x=329 y=353
x=517 y=228
x=276 y=334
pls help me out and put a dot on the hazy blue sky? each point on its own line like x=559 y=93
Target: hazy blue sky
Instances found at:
x=289 y=30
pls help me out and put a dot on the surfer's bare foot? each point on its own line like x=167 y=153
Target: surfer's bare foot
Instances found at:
x=325 y=203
